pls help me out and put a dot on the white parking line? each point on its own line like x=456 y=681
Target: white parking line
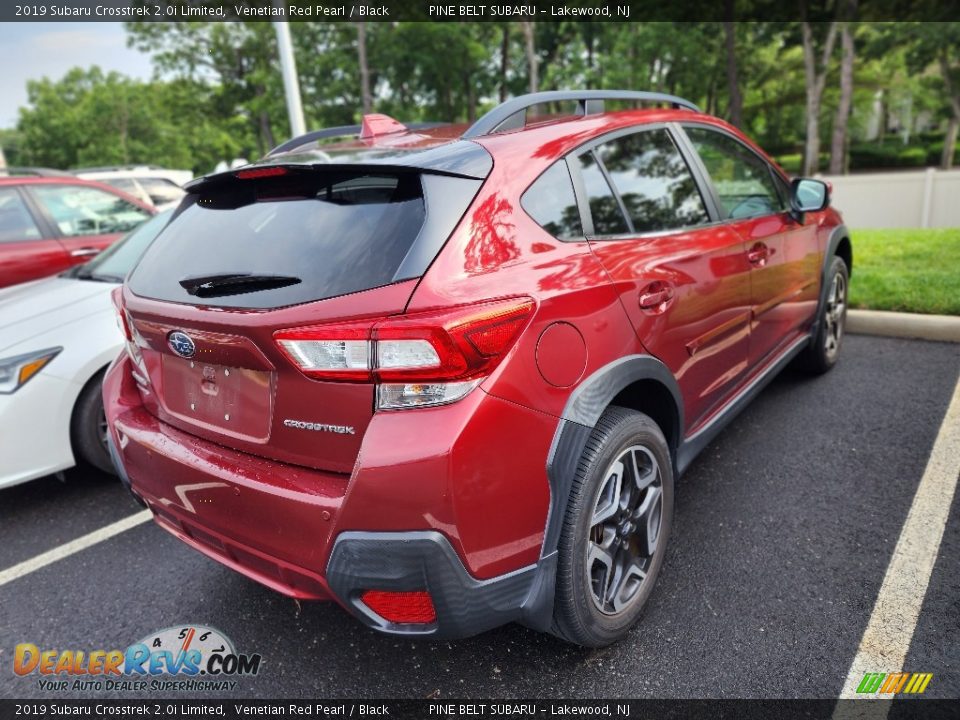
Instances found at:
x=74 y=546
x=886 y=641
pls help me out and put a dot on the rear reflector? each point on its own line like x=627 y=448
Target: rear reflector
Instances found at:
x=401 y=607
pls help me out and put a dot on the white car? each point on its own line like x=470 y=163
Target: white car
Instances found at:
x=57 y=336
x=159 y=187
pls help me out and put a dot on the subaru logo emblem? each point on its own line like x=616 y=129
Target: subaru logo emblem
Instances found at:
x=181 y=344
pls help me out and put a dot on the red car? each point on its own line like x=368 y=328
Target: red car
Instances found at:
x=448 y=377
x=50 y=222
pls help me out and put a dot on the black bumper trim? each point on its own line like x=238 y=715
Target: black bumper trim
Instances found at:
x=419 y=560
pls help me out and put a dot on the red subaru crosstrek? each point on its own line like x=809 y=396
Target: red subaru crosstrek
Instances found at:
x=51 y=221
x=447 y=376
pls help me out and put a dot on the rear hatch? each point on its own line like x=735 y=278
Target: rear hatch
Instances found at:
x=272 y=248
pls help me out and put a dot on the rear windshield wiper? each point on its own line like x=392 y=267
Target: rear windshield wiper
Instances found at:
x=234 y=284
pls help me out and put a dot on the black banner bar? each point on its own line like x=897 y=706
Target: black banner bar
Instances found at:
x=452 y=10
x=488 y=709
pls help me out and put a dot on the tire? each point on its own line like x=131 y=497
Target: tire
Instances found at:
x=598 y=534
x=88 y=426
x=824 y=351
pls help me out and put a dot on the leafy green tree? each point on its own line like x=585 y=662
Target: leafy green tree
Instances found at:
x=89 y=117
x=937 y=44
x=238 y=60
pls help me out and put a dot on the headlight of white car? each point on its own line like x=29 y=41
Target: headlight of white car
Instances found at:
x=17 y=370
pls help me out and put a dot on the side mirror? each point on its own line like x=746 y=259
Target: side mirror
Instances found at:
x=808 y=195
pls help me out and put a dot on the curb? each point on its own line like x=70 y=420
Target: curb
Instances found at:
x=941 y=328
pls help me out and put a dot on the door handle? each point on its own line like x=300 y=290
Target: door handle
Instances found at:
x=654 y=295
x=758 y=254
x=84 y=252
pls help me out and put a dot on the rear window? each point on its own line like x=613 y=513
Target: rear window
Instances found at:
x=291 y=239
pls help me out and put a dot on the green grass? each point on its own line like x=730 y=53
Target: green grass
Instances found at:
x=907 y=270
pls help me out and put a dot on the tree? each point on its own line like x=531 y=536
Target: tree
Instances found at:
x=533 y=62
x=735 y=113
x=949 y=72
x=815 y=66
x=10 y=142
x=240 y=58
x=838 y=146
x=365 y=94
x=89 y=117
x=934 y=48
x=504 y=60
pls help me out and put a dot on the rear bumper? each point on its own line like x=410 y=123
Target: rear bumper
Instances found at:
x=391 y=525
x=425 y=560
x=230 y=506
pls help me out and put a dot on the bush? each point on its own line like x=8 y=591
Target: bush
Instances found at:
x=912 y=157
x=873 y=156
x=792 y=163
x=935 y=152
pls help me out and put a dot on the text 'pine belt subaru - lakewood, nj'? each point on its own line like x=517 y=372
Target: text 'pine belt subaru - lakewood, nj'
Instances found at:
x=447 y=376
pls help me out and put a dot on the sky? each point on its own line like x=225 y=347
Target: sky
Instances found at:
x=31 y=51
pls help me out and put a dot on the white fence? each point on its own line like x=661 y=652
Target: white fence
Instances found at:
x=908 y=199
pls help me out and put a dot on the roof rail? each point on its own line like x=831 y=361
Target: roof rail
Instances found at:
x=512 y=114
x=339 y=131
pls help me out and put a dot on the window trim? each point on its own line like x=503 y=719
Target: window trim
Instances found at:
x=681 y=129
x=579 y=186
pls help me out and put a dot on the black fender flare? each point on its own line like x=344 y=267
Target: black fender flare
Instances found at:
x=838 y=234
x=583 y=409
x=581 y=413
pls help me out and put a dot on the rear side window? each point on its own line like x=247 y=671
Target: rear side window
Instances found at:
x=551 y=202
x=312 y=235
x=604 y=209
x=654 y=182
x=743 y=181
x=16 y=223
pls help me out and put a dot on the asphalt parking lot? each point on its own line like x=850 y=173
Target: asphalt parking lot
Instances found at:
x=783 y=532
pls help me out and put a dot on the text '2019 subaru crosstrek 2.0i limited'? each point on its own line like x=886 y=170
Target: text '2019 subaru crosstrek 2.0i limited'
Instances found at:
x=448 y=376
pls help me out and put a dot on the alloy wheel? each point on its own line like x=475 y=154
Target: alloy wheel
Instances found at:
x=625 y=529
x=835 y=315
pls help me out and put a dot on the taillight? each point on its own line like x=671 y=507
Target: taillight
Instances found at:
x=426 y=358
x=335 y=352
x=125 y=323
x=117 y=296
